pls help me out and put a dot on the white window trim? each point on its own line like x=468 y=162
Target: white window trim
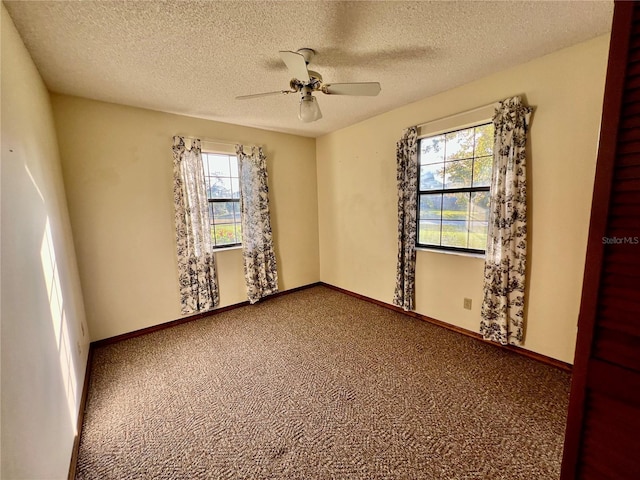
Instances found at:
x=224 y=249
x=450 y=252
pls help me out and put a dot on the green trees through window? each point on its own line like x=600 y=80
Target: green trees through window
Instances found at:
x=223 y=192
x=453 y=189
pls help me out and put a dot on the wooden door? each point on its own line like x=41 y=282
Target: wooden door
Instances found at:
x=603 y=427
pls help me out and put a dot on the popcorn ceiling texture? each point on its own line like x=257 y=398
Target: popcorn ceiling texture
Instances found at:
x=193 y=58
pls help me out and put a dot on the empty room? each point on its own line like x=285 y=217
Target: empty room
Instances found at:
x=320 y=240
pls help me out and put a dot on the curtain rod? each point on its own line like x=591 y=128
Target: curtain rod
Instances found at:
x=213 y=140
x=466 y=112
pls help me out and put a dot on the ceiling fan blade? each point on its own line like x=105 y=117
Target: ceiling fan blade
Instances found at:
x=361 y=89
x=296 y=64
x=258 y=95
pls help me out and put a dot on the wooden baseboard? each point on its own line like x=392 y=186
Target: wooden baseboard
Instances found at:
x=521 y=351
x=118 y=338
x=191 y=318
x=83 y=404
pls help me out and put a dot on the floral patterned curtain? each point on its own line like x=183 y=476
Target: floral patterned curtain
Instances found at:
x=260 y=271
x=407 y=177
x=196 y=263
x=505 y=261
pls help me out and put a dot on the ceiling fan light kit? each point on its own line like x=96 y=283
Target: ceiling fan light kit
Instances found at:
x=307 y=81
x=309 y=109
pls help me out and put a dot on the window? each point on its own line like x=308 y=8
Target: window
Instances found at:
x=453 y=190
x=223 y=192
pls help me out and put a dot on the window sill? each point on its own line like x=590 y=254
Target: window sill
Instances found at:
x=225 y=249
x=451 y=252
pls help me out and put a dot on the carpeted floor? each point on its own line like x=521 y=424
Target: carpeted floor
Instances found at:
x=319 y=385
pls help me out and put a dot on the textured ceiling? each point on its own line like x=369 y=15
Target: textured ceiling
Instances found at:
x=193 y=58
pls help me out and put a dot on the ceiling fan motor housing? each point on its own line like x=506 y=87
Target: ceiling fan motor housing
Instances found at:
x=306 y=92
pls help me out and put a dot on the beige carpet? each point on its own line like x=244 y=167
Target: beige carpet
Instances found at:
x=319 y=385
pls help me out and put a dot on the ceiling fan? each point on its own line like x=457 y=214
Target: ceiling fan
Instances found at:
x=307 y=81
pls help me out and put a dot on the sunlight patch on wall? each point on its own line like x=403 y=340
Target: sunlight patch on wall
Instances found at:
x=59 y=321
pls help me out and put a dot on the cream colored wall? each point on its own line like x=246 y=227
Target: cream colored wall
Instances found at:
x=44 y=350
x=117 y=166
x=357 y=197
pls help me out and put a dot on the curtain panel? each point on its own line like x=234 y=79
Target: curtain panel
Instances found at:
x=260 y=270
x=407 y=178
x=506 y=254
x=197 y=274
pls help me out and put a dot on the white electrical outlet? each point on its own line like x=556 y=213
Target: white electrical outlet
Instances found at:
x=467 y=304
x=79 y=348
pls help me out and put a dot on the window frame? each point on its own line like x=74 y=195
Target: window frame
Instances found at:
x=470 y=190
x=211 y=201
